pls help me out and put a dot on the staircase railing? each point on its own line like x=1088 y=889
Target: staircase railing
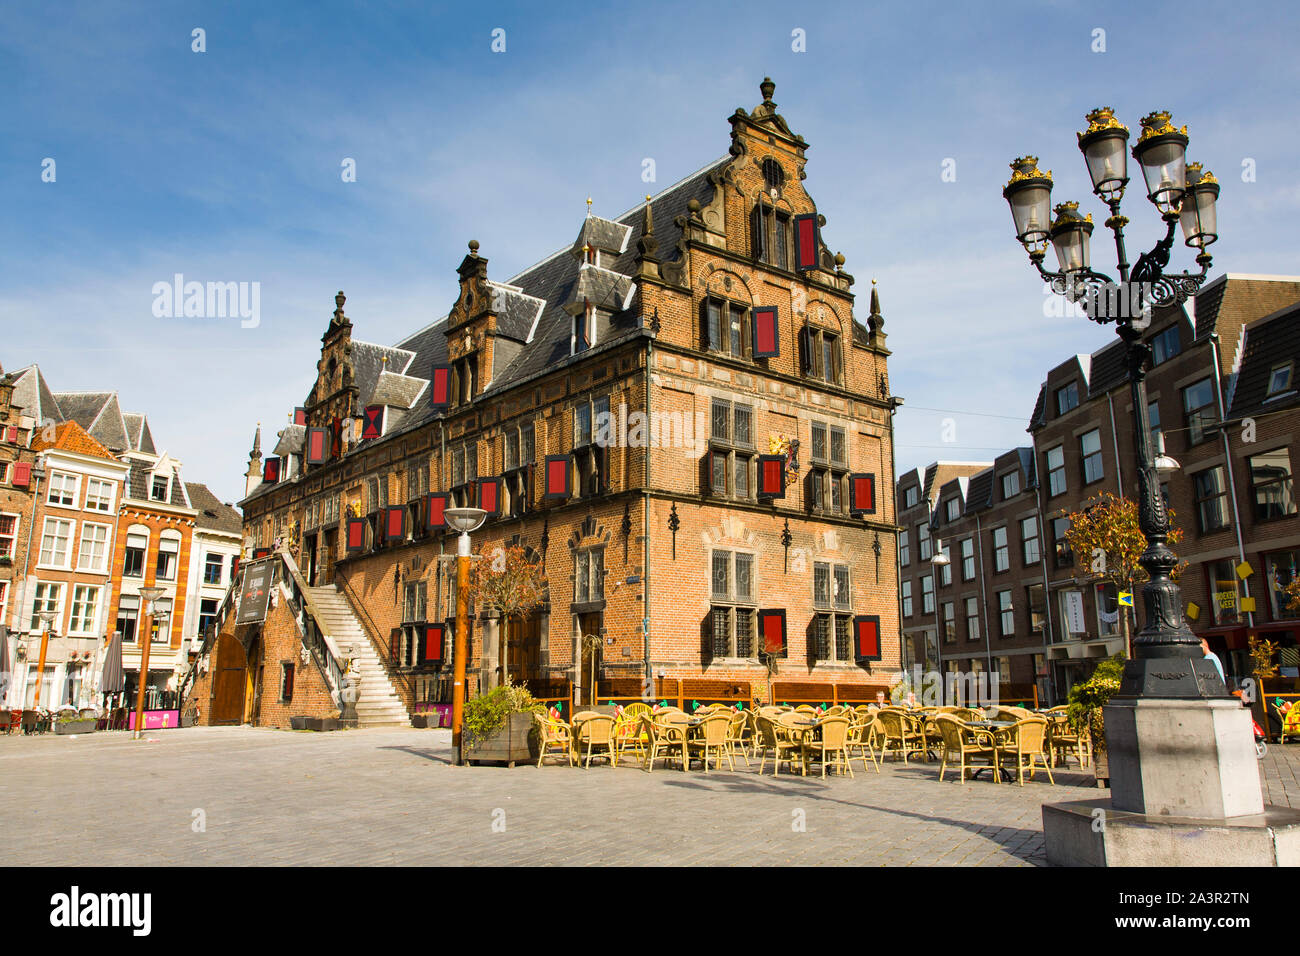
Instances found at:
x=307 y=615
x=402 y=683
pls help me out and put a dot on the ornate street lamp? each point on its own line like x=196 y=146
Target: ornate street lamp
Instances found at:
x=1167 y=656
x=465 y=521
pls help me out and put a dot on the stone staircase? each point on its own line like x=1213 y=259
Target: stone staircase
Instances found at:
x=378 y=705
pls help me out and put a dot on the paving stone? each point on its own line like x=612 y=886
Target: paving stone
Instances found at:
x=389 y=796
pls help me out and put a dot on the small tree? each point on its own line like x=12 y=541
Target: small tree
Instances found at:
x=1106 y=535
x=511 y=584
x=1292 y=592
x=1263 y=658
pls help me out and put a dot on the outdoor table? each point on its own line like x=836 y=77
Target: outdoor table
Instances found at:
x=992 y=726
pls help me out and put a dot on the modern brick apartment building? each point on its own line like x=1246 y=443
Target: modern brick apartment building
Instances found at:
x=1227 y=356
x=677 y=413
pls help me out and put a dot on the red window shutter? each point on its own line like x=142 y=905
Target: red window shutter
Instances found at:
x=440 y=386
x=805 y=242
x=259 y=553
x=395 y=522
x=805 y=350
x=489 y=496
x=771 y=476
x=771 y=630
x=558 y=470
x=300 y=416
x=336 y=438
x=11 y=434
x=394 y=645
x=372 y=424
x=271 y=470
x=435 y=511
x=22 y=476
x=356 y=534
x=767 y=337
x=862 y=494
x=318 y=446
x=434 y=639
x=866 y=637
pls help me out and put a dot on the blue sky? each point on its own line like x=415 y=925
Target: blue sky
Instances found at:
x=225 y=166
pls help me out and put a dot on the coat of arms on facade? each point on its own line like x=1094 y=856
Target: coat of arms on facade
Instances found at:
x=787 y=448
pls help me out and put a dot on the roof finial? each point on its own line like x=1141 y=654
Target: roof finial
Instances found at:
x=257 y=443
x=647 y=245
x=473 y=248
x=875 y=321
x=339 y=299
x=767 y=88
x=588 y=205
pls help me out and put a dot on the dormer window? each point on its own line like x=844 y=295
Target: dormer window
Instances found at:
x=464 y=379
x=1067 y=398
x=1279 y=379
x=161 y=488
x=584 y=329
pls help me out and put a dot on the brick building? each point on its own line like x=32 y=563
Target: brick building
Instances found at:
x=677 y=413
x=17 y=502
x=1228 y=355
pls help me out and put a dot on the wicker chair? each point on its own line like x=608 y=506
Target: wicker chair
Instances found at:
x=864 y=739
x=739 y=735
x=1023 y=743
x=834 y=742
x=556 y=736
x=713 y=731
x=664 y=739
x=628 y=732
x=897 y=733
x=805 y=709
x=594 y=731
x=961 y=742
x=1063 y=741
x=772 y=740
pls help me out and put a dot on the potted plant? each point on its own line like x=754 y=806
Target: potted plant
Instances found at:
x=71 y=722
x=500 y=725
x=1086 y=701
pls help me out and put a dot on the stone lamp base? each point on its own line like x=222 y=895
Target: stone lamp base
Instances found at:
x=1184 y=792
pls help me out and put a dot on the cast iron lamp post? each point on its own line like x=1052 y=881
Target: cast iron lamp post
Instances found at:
x=465 y=521
x=1167 y=661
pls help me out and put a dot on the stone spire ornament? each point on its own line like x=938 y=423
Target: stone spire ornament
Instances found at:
x=647 y=245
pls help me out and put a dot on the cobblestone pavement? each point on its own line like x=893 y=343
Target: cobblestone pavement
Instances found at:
x=390 y=796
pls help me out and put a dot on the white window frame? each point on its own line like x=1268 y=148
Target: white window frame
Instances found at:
x=63 y=485
x=110 y=495
x=163 y=539
x=102 y=566
x=57 y=624
x=66 y=565
x=13 y=538
x=167 y=496
x=96 y=592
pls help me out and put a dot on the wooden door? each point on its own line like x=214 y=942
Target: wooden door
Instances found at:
x=590 y=624
x=327 y=562
x=230 y=665
x=309 y=552
x=525 y=651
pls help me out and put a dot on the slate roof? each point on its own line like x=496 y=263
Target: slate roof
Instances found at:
x=400 y=391
x=291 y=439
x=33 y=395
x=212 y=513
x=137 y=431
x=517 y=312
x=1269 y=342
x=603 y=234
x=139 y=483
x=99 y=414
x=368 y=362
x=980 y=495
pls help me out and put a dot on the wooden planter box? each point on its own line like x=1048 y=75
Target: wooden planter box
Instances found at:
x=86 y=725
x=319 y=723
x=516 y=741
x=298 y=723
x=420 y=720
